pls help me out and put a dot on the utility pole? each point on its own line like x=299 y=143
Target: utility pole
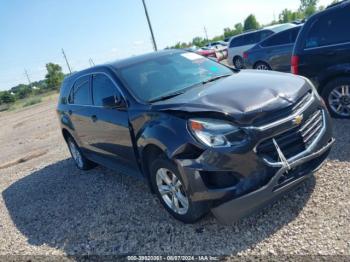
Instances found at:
x=206 y=34
x=91 y=62
x=65 y=58
x=150 y=26
x=27 y=75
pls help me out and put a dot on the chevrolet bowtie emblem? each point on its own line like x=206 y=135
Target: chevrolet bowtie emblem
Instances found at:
x=298 y=119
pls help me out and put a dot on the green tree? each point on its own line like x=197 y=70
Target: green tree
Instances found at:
x=289 y=16
x=309 y=11
x=198 y=41
x=308 y=7
x=54 y=76
x=304 y=4
x=6 y=97
x=251 y=23
x=228 y=32
x=238 y=29
x=23 y=92
x=286 y=16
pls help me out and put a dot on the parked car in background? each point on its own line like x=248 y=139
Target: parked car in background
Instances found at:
x=241 y=43
x=322 y=53
x=192 y=128
x=205 y=51
x=273 y=53
x=217 y=45
x=217 y=55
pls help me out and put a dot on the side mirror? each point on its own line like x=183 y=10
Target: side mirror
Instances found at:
x=115 y=101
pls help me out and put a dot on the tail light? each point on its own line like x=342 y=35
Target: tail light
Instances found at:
x=295 y=64
x=245 y=55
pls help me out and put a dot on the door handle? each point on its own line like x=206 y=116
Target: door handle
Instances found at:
x=94 y=118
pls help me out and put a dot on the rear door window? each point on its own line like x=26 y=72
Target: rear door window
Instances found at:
x=80 y=93
x=264 y=34
x=283 y=38
x=331 y=28
x=252 y=38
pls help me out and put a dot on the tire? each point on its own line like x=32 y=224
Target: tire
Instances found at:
x=336 y=95
x=79 y=159
x=187 y=210
x=262 y=66
x=238 y=62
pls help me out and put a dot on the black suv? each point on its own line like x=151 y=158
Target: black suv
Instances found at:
x=322 y=53
x=205 y=136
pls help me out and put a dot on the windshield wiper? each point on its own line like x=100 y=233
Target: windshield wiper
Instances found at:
x=162 y=98
x=215 y=78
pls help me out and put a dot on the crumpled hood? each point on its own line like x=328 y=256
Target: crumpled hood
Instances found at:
x=247 y=95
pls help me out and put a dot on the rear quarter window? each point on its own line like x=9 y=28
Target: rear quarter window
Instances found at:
x=80 y=93
x=329 y=29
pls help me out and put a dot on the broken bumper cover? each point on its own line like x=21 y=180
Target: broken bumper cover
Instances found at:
x=233 y=210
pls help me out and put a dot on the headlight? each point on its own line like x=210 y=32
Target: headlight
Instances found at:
x=213 y=133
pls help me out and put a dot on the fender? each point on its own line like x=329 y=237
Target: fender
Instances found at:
x=333 y=72
x=165 y=134
x=67 y=124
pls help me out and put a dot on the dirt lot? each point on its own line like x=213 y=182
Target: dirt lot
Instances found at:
x=47 y=206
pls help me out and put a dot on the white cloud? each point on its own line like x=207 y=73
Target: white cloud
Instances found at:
x=138 y=42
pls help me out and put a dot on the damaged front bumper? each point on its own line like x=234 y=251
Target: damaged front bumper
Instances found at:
x=261 y=177
x=235 y=209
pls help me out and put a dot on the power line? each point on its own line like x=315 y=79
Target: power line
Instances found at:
x=27 y=75
x=91 y=62
x=206 y=34
x=65 y=58
x=150 y=26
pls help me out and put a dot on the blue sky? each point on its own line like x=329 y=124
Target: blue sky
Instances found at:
x=34 y=31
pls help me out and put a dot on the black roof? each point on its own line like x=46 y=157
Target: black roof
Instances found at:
x=124 y=62
x=141 y=58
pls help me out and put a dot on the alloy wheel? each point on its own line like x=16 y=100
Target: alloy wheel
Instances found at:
x=172 y=191
x=238 y=63
x=262 y=67
x=75 y=153
x=339 y=100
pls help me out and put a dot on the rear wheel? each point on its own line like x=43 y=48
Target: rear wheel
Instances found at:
x=337 y=97
x=80 y=161
x=172 y=193
x=262 y=66
x=238 y=62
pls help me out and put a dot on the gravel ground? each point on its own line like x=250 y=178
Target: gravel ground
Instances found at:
x=48 y=207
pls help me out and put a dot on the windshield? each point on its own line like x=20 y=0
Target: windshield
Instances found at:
x=170 y=74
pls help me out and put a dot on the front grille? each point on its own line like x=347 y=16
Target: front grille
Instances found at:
x=293 y=141
x=277 y=115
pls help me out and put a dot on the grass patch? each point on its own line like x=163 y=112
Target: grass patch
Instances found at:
x=32 y=101
x=49 y=96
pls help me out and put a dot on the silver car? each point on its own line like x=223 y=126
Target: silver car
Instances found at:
x=241 y=43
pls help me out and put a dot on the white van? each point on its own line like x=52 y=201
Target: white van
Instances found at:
x=241 y=43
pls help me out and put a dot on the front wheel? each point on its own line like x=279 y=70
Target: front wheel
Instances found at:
x=172 y=193
x=337 y=97
x=262 y=66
